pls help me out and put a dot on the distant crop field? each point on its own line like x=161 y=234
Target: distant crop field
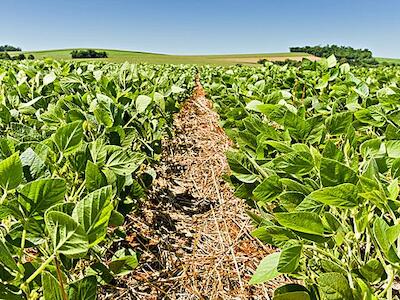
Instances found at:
x=120 y=56
x=389 y=60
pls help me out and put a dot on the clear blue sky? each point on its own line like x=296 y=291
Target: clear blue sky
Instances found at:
x=202 y=26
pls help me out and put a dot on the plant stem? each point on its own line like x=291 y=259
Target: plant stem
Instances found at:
x=257 y=166
x=40 y=269
x=325 y=253
x=3 y=197
x=388 y=289
x=23 y=239
x=60 y=279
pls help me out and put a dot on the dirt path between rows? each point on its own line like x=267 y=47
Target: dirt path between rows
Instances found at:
x=193 y=233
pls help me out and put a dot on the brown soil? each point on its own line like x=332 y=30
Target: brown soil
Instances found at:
x=194 y=235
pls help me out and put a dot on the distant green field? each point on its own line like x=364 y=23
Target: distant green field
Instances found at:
x=120 y=56
x=389 y=60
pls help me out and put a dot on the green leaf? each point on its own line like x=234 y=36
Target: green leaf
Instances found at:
x=10 y=172
x=364 y=291
x=39 y=195
x=268 y=190
x=51 y=287
x=295 y=162
x=393 y=148
x=68 y=237
x=273 y=235
x=331 y=60
x=289 y=288
x=124 y=163
x=395 y=170
x=372 y=270
x=176 y=89
x=334 y=286
x=306 y=222
x=124 y=265
x=267 y=269
x=49 y=78
x=343 y=195
x=68 y=138
x=335 y=173
x=289 y=259
x=9 y=292
x=6 y=258
x=95 y=179
x=142 y=102
x=32 y=164
x=116 y=219
x=103 y=113
x=293 y=296
x=85 y=288
x=93 y=213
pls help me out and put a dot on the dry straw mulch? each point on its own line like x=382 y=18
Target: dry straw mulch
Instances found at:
x=193 y=233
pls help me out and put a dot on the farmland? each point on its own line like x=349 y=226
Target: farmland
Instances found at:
x=313 y=152
x=121 y=56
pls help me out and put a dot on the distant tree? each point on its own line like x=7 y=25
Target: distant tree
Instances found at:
x=21 y=56
x=9 y=48
x=342 y=53
x=31 y=57
x=89 y=53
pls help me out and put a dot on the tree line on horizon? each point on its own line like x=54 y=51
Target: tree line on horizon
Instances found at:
x=9 y=48
x=343 y=53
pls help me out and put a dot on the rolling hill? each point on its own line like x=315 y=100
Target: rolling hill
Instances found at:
x=120 y=56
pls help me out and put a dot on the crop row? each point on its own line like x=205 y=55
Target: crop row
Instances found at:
x=318 y=160
x=77 y=142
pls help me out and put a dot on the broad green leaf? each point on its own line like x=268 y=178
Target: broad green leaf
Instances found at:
x=122 y=162
x=274 y=235
x=10 y=172
x=85 y=288
x=33 y=165
x=123 y=264
x=293 y=296
x=395 y=170
x=289 y=259
x=338 y=123
x=51 y=287
x=116 y=219
x=364 y=291
x=68 y=138
x=385 y=237
x=68 y=237
x=306 y=222
x=142 y=102
x=93 y=213
x=343 y=195
x=49 y=78
x=295 y=162
x=103 y=113
x=6 y=258
x=334 y=173
x=362 y=90
x=334 y=286
x=268 y=190
x=39 y=195
x=331 y=60
x=267 y=269
x=176 y=89
x=95 y=179
x=290 y=288
x=393 y=148
x=372 y=271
